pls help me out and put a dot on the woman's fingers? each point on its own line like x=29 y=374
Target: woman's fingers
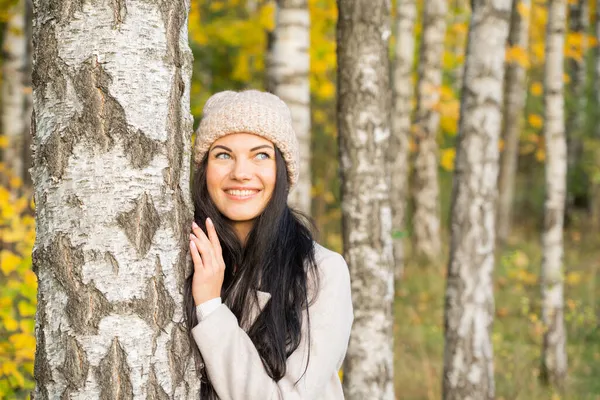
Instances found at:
x=214 y=238
x=195 y=256
x=206 y=243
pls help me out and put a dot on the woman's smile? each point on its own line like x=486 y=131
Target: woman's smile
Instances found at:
x=241 y=194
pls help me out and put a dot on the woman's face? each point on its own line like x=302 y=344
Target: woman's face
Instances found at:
x=240 y=176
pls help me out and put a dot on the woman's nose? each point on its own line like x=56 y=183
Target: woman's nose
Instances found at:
x=241 y=171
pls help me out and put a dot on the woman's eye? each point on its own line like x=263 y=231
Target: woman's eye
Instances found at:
x=223 y=156
x=263 y=156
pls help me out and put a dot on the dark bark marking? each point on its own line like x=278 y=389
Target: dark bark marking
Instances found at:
x=140 y=224
x=109 y=258
x=113 y=374
x=48 y=69
x=173 y=14
x=103 y=118
x=157 y=307
x=56 y=151
x=154 y=390
x=175 y=134
x=75 y=366
x=42 y=370
x=86 y=306
x=179 y=350
x=119 y=8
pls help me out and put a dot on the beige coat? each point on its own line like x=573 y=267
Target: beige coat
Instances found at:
x=235 y=368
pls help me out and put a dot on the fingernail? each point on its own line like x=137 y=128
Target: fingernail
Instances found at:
x=192 y=236
x=194 y=224
x=209 y=221
x=192 y=244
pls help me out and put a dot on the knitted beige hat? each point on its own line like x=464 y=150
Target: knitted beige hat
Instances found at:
x=251 y=111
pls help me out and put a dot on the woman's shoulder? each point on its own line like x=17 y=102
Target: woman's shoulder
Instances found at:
x=330 y=263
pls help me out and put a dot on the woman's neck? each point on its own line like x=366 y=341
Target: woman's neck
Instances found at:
x=242 y=230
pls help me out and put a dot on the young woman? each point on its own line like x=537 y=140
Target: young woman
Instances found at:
x=268 y=308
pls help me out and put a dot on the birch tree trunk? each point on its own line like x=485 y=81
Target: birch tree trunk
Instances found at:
x=469 y=305
x=16 y=92
x=401 y=124
x=426 y=218
x=289 y=64
x=364 y=108
x=515 y=93
x=112 y=148
x=554 y=356
x=578 y=25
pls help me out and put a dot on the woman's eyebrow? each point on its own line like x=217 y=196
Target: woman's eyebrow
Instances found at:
x=222 y=147
x=260 y=147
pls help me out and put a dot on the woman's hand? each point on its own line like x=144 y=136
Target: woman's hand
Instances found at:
x=209 y=267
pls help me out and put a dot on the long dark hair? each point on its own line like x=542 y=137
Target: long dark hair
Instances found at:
x=278 y=258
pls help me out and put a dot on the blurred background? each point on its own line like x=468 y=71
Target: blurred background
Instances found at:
x=231 y=42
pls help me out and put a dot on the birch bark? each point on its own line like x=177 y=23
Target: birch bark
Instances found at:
x=426 y=218
x=289 y=64
x=399 y=141
x=515 y=88
x=16 y=92
x=469 y=304
x=111 y=174
x=554 y=356
x=364 y=108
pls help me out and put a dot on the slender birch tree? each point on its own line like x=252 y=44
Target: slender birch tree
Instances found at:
x=289 y=65
x=578 y=21
x=112 y=130
x=16 y=91
x=469 y=305
x=554 y=356
x=363 y=116
x=515 y=93
x=426 y=217
x=401 y=124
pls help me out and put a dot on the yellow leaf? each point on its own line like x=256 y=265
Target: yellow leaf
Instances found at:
x=30 y=278
x=10 y=324
x=447 y=159
x=22 y=340
x=517 y=54
x=566 y=78
x=26 y=309
x=8 y=261
x=27 y=325
x=3 y=142
x=536 y=89
x=267 y=16
x=326 y=90
x=535 y=120
x=449 y=125
x=540 y=155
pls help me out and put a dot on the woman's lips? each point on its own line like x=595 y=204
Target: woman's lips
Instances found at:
x=241 y=194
